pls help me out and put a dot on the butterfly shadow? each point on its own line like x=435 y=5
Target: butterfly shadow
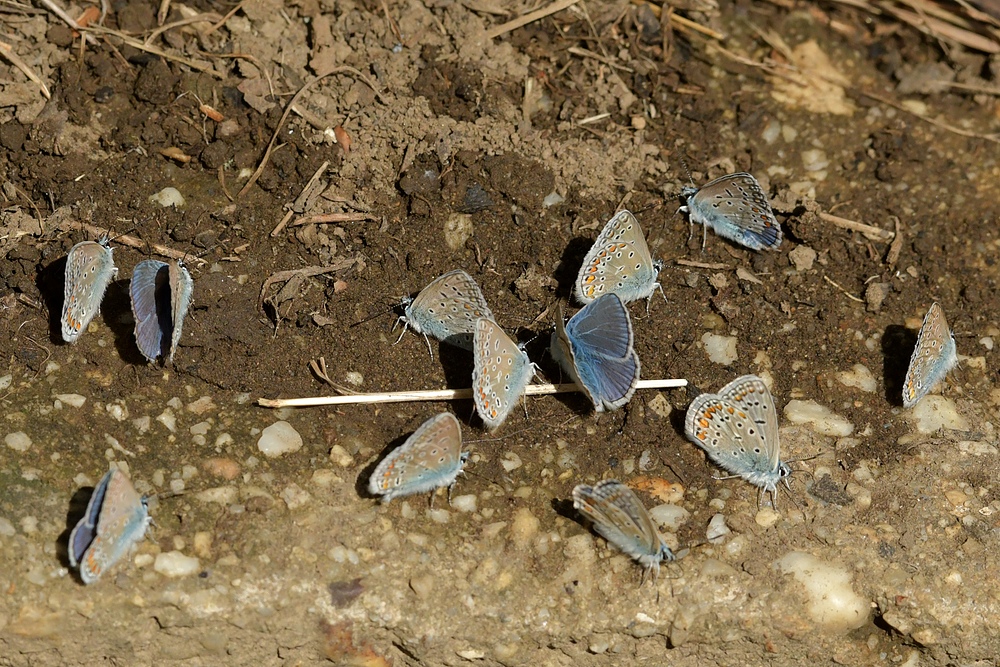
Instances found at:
x=77 y=509
x=897 y=347
x=569 y=265
x=116 y=312
x=51 y=283
x=361 y=483
x=457 y=364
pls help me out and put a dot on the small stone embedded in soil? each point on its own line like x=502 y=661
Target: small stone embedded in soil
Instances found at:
x=717 y=529
x=72 y=400
x=457 y=230
x=802 y=257
x=222 y=467
x=720 y=349
x=175 y=564
x=341 y=457
x=859 y=377
x=933 y=413
x=223 y=495
x=168 y=197
x=7 y=528
x=295 y=496
x=831 y=600
x=669 y=517
x=168 y=419
x=766 y=517
x=18 y=441
x=464 y=503
x=278 y=439
x=524 y=527
x=819 y=418
x=422 y=585
x=660 y=406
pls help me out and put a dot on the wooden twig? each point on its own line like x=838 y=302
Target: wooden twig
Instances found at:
x=222 y=21
x=69 y=20
x=7 y=51
x=327 y=218
x=520 y=21
x=306 y=271
x=139 y=244
x=131 y=41
x=873 y=233
x=344 y=69
x=300 y=201
x=846 y=293
x=703 y=265
x=439 y=395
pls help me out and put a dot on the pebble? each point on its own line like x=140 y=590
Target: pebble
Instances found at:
x=831 y=601
x=203 y=544
x=201 y=406
x=524 y=527
x=933 y=413
x=717 y=529
x=221 y=467
x=720 y=349
x=279 y=439
x=6 y=528
x=669 y=516
x=859 y=377
x=439 y=516
x=223 y=495
x=422 y=585
x=819 y=418
x=168 y=197
x=802 y=257
x=168 y=419
x=176 y=564
x=341 y=457
x=18 y=441
x=511 y=461
x=72 y=400
x=660 y=406
x=766 y=517
x=465 y=503
x=457 y=229
x=295 y=496
x=6 y=381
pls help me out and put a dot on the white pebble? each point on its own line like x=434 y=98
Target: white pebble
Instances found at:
x=439 y=515
x=142 y=424
x=670 y=517
x=457 y=229
x=858 y=377
x=295 y=496
x=223 y=495
x=511 y=461
x=933 y=413
x=355 y=378
x=552 y=199
x=201 y=428
x=168 y=419
x=465 y=503
x=766 y=517
x=832 y=602
x=278 y=439
x=168 y=197
x=177 y=485
x=72 y=400
x=814 y=159
x=986 y=342
x=118 y=411
x=29 y=525
x=176 y=564
x=18 y=441
x=6 y=528
x=819 y=418
x=720 y=349
x=717 y=529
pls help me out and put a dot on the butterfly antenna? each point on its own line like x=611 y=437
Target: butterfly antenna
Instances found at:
x=375 y=316
x=687 y=170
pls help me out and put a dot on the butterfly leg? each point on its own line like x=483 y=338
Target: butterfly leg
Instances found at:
x=704 y=237
x=406 y=325
x=428 y=340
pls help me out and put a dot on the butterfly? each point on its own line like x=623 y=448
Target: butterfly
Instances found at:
x=89 y=269
x=501 y=373
x=116 y=519
x=595 y=348
x=620 y=517
x=735 y=207
x=619 y=262
x=447 y=309
x=934 y=355
x=161 y=294
x=430 y=458
x=738 y=429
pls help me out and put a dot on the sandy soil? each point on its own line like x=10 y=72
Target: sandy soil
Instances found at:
x=458 y=144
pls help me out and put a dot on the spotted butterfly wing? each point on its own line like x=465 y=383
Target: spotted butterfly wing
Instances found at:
x=620 y=517
x=430 y=458
x=502 y=371
x=89 y=268
x=447 y=309
x=736 y=208
x=618 y=262
x=934 y=355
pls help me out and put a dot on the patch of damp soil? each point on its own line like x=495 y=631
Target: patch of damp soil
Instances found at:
x=503 y=157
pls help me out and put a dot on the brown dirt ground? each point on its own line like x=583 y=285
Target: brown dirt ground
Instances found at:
x=486 y=129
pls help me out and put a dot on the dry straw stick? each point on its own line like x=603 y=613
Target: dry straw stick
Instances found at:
x=556 y=6
x=439 y=395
